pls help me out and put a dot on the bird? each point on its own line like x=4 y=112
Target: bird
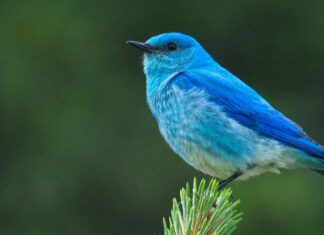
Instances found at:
x=213 y=120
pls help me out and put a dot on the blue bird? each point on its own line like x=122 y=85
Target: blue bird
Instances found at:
x=213 y=120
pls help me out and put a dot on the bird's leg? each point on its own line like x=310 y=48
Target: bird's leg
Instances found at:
x=225 y=182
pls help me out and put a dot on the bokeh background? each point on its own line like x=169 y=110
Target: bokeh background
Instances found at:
x=80 y=151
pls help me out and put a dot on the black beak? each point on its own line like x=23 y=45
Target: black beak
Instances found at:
x=141 y=45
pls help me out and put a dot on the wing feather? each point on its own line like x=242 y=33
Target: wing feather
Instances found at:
x=247 y=107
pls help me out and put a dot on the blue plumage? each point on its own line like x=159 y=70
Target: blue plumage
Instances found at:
x=213 y=120
x=247 y=107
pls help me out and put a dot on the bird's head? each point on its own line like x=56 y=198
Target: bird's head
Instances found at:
x=169 y=53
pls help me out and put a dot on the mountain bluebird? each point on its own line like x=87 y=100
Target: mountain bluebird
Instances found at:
x=213 y=120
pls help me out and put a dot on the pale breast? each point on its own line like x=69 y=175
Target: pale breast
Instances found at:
x=194 y=129
x=202 y=134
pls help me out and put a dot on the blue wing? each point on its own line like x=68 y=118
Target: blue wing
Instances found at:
x=247 y=107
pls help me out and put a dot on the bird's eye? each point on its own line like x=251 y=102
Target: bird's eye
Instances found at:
x=172 y=46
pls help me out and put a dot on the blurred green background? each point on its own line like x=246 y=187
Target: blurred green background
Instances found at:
x=80 y=151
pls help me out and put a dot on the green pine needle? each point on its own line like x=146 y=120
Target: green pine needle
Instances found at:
x=203 y=211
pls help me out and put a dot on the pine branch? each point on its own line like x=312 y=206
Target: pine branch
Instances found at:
x=203 y=211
